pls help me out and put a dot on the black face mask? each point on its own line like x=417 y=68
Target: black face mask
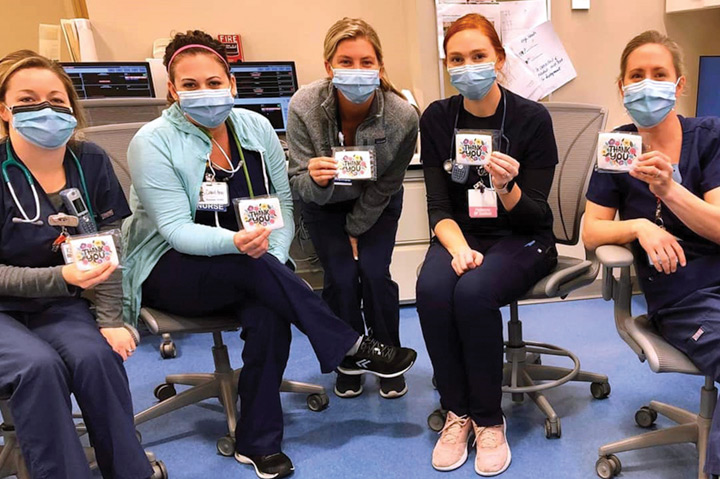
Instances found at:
x=40 y=106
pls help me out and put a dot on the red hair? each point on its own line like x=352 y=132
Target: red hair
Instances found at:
x=477 y=22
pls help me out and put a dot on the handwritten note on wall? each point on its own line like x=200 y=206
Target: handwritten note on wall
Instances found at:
x=544 y=54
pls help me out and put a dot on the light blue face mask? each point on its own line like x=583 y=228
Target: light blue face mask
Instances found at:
x=209 y=108
x=473 y=81
x=650 y=101
x=45 y=125
x=357 y=85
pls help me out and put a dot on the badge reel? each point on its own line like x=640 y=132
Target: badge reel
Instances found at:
x=64 y=222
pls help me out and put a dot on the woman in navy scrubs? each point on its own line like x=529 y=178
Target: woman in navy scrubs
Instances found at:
x=480 y=259
x=669 y=206
x=51 y=345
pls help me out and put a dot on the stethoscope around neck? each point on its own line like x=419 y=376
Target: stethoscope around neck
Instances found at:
x=35 y=220
x=448 y=164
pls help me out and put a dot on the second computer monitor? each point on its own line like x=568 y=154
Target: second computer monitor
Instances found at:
x=111 y=79
x=266 y=88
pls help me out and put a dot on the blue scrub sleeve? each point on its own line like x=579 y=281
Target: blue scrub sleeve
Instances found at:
x=604 y=190
x=711 y=171
x=108 y=199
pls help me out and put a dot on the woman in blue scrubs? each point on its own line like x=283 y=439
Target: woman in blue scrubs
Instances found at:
x=669 y=206
x=201 y=142
x=51 y=345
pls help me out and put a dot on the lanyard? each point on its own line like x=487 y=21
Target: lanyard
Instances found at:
x=242 y=158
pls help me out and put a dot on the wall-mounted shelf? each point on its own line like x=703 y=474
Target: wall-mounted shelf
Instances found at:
x=672 y=6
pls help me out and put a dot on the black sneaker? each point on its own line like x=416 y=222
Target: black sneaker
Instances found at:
x=348 y=386
x=391 y=388
x=268 y=467
x=379 y=359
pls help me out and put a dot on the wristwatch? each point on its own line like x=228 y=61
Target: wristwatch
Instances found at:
x=507 y=188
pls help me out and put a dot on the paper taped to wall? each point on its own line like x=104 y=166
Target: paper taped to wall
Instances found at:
x=542 y=51
x=49 y=41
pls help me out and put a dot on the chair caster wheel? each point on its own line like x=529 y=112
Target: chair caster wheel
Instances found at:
x=226 y=446
x=434 y=382
x=436 y=420
x=168 y=350
x=159 y=470
x=600 y=390
x=553 y=429
x=608 y=467
x=318 y=402
x=164 y=391
x=645 y=417
x=138 y=436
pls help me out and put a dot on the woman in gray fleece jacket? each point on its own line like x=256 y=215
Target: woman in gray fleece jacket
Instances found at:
x=353 y=223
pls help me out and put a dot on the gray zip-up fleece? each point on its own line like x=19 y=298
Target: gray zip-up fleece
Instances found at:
x=391 y=126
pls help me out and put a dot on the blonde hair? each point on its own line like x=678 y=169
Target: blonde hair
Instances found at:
x=653 y=36
x=24 y=59
x=352 y=28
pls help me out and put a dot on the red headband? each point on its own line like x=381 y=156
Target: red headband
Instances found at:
x=196 y=45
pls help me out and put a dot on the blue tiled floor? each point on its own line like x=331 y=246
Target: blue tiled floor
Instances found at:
x=370 y=437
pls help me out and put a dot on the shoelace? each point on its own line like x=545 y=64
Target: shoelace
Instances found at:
x=488 y=436
x=376 y=348
x=452 y=429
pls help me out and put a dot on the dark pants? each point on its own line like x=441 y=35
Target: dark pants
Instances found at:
x=462 y=323
x=267 y=297
x=351 y=287
x=46 y=356
x=681 y=325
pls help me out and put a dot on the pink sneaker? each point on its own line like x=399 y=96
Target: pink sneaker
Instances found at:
x=493 y=451
x=451 y=450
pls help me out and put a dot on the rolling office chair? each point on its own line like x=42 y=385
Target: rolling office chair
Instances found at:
x=576 y=127
x=222 y=383
x=13 y=464
x=642 y=337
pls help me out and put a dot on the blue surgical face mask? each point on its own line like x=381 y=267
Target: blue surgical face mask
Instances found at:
x=357 y=85
x=649 y=102
x=209 y=108
x=45 y=125
x=473 y=81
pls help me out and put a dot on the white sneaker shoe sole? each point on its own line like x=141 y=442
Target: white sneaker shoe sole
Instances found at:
x=356 y=372
x=262 y=475
x=507 y=462
x=459 y=463
x=350 y=393
x=394 y=394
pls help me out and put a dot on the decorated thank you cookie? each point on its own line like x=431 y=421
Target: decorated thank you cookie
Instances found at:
x=262 y=212
x=355 y=163
x=473 y=147
x=89 y=252
x=618 y=152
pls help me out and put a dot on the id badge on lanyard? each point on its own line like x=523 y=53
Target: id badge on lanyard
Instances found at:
x=482 y=202
x=214 y=196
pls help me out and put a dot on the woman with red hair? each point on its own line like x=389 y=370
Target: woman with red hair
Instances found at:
x=493 y=236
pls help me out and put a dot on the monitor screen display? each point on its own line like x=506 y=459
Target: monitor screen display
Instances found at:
x=708 y=99
x=111 y=80
x=266 y=88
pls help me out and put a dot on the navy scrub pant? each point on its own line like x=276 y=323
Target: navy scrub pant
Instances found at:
x=349 y=283
x=681 y=326
x=461 y=319
x=267 y=297
x=44 y=357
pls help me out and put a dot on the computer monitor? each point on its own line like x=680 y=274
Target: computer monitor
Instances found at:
x=708 y=99
x=266 y=88
x=111 y=79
